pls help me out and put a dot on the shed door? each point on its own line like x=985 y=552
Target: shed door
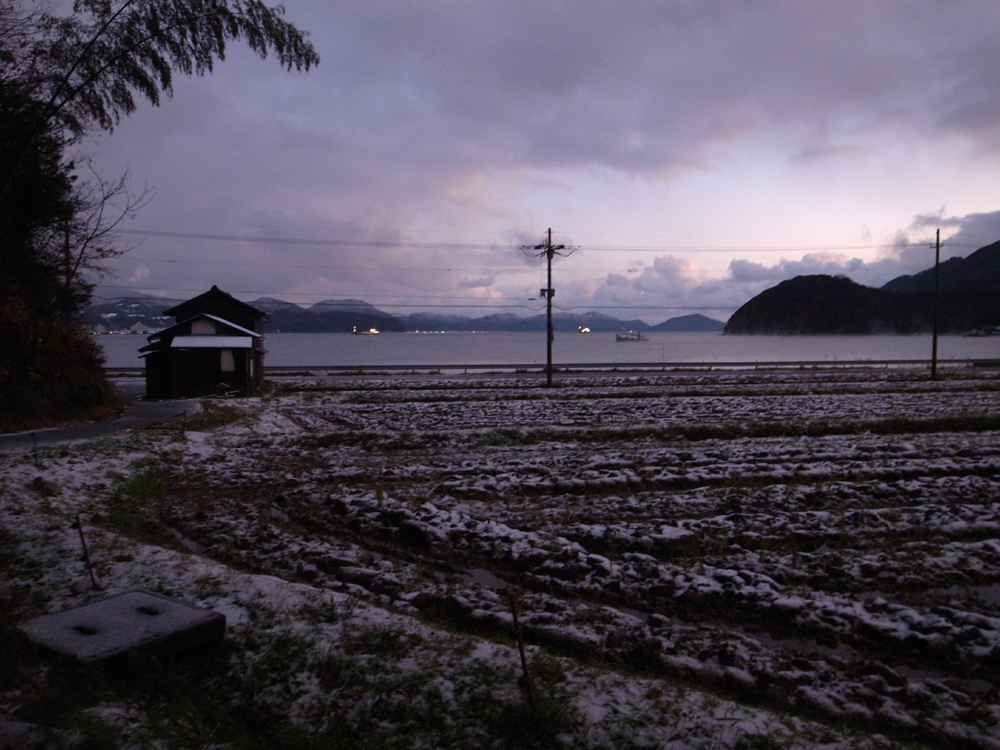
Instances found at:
x=226 y=362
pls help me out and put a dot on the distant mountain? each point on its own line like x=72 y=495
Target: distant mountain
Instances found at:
x=572 y=322
x=342 y=316
x=424 y=321
x=690 y=323
x=812 y=304
x=981 y=270
x=136 y=312
x=270 y=305
x=328 y=316
x=346 y=305
x=835 y=305
x=562 y=322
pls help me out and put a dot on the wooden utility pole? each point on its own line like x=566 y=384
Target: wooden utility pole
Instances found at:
x=937 y=285
x=549 y=251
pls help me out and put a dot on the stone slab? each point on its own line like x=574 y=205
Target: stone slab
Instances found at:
x=107 y=630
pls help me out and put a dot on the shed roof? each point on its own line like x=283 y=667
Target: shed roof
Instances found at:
x=213 y=295
x=216 y=318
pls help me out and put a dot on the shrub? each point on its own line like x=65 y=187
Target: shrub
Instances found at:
x=50 y=372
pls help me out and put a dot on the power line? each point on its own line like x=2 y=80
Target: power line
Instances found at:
x=486 y=270
x=497 y=306
x=295 y=241
x=492 y=269
x=325 y=295
x=327 y=267
x=400 y=244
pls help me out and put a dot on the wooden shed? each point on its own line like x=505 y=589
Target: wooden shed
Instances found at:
x=215 y=347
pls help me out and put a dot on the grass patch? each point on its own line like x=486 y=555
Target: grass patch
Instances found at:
x=759 y=742
x=507 y=436
x=185 y=703
x=250 y=697
x=138 y=508
x=213 y=415
x=777 y=429
x=16 y=604
x=662 y=387
x=381 y=642
x=406 y=440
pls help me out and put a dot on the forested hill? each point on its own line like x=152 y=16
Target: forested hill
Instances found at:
x=328 y=316
x=969 y=299
x=563 y=322
x=977 y=271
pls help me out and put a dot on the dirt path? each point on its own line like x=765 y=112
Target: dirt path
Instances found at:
x=142 y=413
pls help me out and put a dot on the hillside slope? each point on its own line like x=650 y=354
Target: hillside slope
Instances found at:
x=969 y=299
x=328 y=316
x=977 y=271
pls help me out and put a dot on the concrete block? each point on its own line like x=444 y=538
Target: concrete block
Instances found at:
x=105 y=631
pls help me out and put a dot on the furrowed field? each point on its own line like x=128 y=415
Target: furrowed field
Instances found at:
x=719 y=560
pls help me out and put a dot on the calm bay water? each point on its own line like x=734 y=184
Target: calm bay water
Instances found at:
x=332 y=349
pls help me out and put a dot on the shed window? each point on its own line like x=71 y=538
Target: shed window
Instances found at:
x=202 y=326
x=226 y=363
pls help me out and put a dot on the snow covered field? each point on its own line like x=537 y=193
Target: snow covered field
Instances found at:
x=739 y=560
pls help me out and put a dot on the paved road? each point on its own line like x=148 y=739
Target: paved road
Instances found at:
x=142 y=413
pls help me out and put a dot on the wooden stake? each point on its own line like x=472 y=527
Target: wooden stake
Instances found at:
x=529 y=688
x=86 y=553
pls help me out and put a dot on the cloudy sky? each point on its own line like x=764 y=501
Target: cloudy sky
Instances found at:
x=695 y=151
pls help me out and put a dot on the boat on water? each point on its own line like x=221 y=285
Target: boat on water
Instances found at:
x=985 y=331
x=369 y=332
x=631 y=336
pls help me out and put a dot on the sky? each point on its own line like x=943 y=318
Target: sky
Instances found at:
x=693 y=152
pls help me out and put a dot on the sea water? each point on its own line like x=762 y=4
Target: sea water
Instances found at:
x=497 y=348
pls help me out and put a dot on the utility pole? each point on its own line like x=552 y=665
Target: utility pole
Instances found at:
x=549 y=251
x=937 y=285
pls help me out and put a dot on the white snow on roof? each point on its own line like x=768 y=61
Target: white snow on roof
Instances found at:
x=166 y=331
x=209 y=341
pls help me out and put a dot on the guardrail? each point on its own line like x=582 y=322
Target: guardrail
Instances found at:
x=534 y=367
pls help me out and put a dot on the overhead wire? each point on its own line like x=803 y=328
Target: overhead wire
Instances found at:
x=403 y=244
x=331 y=267
x=442 y=269
x=494 y=306
x=442 y=301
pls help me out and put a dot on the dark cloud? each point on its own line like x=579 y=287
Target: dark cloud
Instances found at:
x=673 y=283
x=425 y=119
x=648 y=86
x=913 y=249
x=972 y=231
